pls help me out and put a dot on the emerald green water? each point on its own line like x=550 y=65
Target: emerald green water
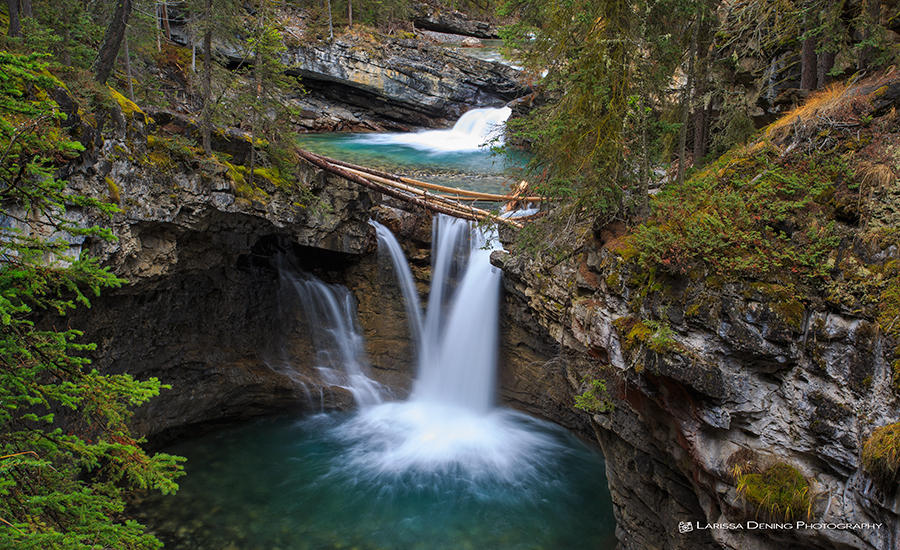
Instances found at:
x=377 y=151
x=318 y=482
x=460 y=157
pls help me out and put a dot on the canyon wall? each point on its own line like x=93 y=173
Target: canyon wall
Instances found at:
x=742 y=372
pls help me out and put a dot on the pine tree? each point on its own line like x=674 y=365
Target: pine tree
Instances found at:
x=66 y=453
x=220 y=20
x=608 y=66
x=263 y=98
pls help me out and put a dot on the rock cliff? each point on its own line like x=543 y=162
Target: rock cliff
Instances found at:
x=206 y=308
x=736 y=375
x=718 y=377
x=396 y=82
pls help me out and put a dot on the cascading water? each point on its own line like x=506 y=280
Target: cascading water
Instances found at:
x=445 y=469
x=473 y=131
x=456 y=157
x=340 y=348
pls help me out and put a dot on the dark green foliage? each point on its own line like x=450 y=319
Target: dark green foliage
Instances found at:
x=258 y=104
x=67 y=30
x=595 y=399
x=65 y=450
x=609 y=65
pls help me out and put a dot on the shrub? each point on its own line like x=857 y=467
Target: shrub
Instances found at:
x=595 y=399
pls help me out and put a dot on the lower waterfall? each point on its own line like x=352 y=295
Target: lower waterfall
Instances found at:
x=445 y=469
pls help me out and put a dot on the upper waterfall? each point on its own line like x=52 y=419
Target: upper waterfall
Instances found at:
x=473 y=131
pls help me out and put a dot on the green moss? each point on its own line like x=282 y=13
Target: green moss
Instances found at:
x=613 y=280
x=881 y=455
x=791 y=311
x=113 y=190
x=655 y=335
x=639 y=333
x=129 y=108
x=273 y=175
x=243 y=188
x=780 y=492
x=158 y=155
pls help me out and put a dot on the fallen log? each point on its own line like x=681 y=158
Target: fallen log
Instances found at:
x=405 y=193
x=426 y=196
x=474 y=195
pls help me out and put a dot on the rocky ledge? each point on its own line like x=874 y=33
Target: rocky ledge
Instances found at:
x=742 y=373
x=395 y=83
x=724 y=394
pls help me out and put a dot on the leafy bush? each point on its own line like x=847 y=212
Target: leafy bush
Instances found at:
x=595 y=399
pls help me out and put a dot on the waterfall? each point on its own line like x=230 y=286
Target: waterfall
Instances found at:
x=340 y=351
x=457 y=339
x=445 y=469
x=458 y=354
x=388 y=243
x=450 y=425
x=473 y=130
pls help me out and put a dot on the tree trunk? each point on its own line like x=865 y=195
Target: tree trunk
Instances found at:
x=64 y=54
x=643 y=204
x=164 y=18
x=128 y=70
x=686 y=105
x=871 y=12
x=330 y=26
x=254 y=113
x=207 y=84
x=350 y=12
x=701 y=129
x=808 y=65
x=27 y=10
x=15 y=26
x=112 y=41
x=826 y=63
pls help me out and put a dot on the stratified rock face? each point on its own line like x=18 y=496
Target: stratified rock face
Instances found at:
x=450 y=21
x=742 y=369
x=402 y=82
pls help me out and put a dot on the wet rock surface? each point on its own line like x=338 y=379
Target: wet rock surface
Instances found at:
x=435 y=18
x=205 y=308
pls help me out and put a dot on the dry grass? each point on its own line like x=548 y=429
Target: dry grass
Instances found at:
x=881 y=455
x=777 y=490
x=823 y=103
x=874 y=176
